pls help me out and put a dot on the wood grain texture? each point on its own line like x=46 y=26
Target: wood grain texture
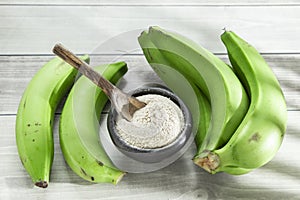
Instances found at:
x=153 y=2
x=34 y=29
x=29 y=30
x=279 y=179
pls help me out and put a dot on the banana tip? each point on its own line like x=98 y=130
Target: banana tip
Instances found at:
x=41 y=184
x=120 y=178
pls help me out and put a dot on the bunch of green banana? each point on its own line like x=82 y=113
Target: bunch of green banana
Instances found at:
x=35 y=117
x=227 y=97
x=259 y=136
x=79 y=128
x=240 y=137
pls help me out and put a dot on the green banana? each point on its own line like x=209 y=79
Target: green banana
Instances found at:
x=79 y=128
x=227 y=97
x=205 y=117
x=185 y=89
x=34 y=122
x=260 y=134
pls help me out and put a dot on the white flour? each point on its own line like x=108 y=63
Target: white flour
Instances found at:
x=155 y=125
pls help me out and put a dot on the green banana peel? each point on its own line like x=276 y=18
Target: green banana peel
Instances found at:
x=260 y=134
x=79 y=128
x=35 y=116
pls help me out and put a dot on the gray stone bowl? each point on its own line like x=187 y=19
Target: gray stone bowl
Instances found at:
x=152 y=155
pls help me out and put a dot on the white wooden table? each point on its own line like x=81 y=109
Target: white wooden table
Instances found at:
x=29 y=29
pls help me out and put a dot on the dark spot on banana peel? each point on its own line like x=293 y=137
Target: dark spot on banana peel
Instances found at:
x=37 y=124
x=82 y=171
x=100 y=163
x=28 y=125
x=255 y=137
x=33 y=140
x=24 y=105
x=85 y=174
x=42 y=184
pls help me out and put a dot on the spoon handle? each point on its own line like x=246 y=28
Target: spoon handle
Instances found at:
x=84 y=68
x=125 y=104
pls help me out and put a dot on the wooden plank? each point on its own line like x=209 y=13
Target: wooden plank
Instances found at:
x=35 y=29
x=279 y=179
x=153 y=2
x=16 y=72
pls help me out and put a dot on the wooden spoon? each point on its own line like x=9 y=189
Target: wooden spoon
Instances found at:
x=124 y=104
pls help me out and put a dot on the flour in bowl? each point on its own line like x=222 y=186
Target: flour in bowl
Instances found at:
x=153 y=126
